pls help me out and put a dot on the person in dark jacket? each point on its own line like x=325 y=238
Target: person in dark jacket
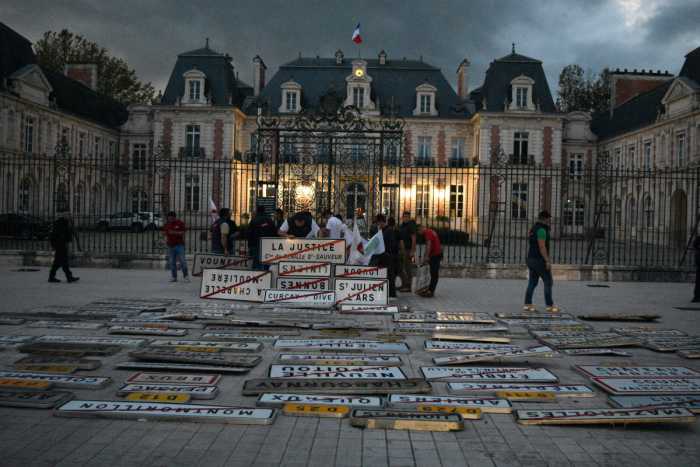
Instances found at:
x=279 y=218
x=62 y=234
x=260 y=226
x=539 y=263
x=223 y=231
x=391 y=250
x=696 y=245
x=300 y=225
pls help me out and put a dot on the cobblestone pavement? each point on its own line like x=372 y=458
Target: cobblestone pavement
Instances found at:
x=35 y=437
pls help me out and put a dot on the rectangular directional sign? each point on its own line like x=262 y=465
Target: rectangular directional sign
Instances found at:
x=648 y=386
x=209 y=261
x=532 y=352
x=486 y=404
x=60 y=381
x=446 y=346
x=181 y=367
x=612 y=352
x=604 y=416
x=314 y=386
x=535 y=375
x=304 y=283
x=369 y=309
x=164 y=411
x=689 y=402
x=636 y=371
x=201 y=358
x=22 y=383
x=586 y=342
x=443 y=317
x=402 y=420
x=361 y=291
x=195 y=392
x=174 y=378
x=339 y=359
x=146 y=331
x=235 y=284
x=223 y=346
x=440 y=336
x=42 y=360
x=335 y=372
x=303 y=269
x=300 y=298
x=359 y=272
x=274 y=250
x=355 y=402
x=65 y=325
x=315 y=410
x=158 y=397
x=491 y=388
x=342 y=344
x=91 y=340
x=437 y=327
x=646 y=331
x=12 y=340
x=36 y=399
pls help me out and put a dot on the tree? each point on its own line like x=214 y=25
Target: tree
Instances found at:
x=115 y=78
x=583 y=91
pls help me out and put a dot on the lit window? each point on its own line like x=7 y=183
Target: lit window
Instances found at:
x=358 y=97
x=425 y=101
x=521 y=97
x=518 y=205
x=422 y=200
x=425 y=149
x=576 y=166
x=456 y=200
x=520 y=147
x=192 y=193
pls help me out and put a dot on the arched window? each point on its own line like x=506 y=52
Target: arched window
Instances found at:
x=61 y=197
x=574 y=212
x=648 y=211
x=139 y=200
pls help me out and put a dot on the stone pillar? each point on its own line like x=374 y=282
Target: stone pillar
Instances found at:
x=441 y=157
x=547 y=147
x=218 y=139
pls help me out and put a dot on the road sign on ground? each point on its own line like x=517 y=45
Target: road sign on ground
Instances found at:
x=204 y=261
x=361 y=291
x=486 y=404
x=193 y=391
x=303 y=269
x=173 y=378
x=309 y=386
x=492 y=388
x=521 y=374
x=341 y=345
x=356 y=402
x=401 y=420
x=60 y=381
x=648 y=386
x=182 y=367
x=604 y=416
x=235 y=284
x=690 y=402
x=593 y=371
x=274 y=250
x=336 y=372
x=36 y=399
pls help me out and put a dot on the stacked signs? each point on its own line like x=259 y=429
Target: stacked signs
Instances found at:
x=662 y=340
x=235 y=284
x=641 y=380
x=211 y=261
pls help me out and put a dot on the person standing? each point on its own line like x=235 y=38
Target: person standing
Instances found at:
x=696 y=245
x=62 y=233
x=174 y=233
x=407 y=251
x=300 y=225
x=539 y=263
x=385 y=259
x=224 y=231
x=260 y=226
x=433 y=257
x=335 y=226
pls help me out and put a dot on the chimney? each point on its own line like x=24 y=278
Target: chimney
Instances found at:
x=382 y=57
x=338 y=57
x=86 y=73
x=463 y=79
x=258 y=75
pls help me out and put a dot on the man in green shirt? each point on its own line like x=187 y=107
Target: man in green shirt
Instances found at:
x=539 y=263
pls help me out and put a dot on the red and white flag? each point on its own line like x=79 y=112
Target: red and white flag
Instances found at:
x=356 y=38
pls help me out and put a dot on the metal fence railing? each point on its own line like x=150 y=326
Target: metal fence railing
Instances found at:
x=642 y=219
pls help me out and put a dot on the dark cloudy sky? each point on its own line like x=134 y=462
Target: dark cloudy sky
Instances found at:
x=593 y=33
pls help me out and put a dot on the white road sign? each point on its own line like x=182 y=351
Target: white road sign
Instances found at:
x=359 y=272
x=303 y=269
x=359 y=402
x=92 y=340
x=558 y=390
x=648 y=386
x=174 y=378
x=604 y=416
x=209 y=261
x=304 y=283
x=535 y=375
x=335 y=372
x=341 y=345
x=235 y=284
x=636 y=371
x=300 y=298
x=449 y=346
x=361 y=291
x=690 y=402
x=224 y=346
x=357 y=359
x=369 y=309
x=274 y=250
x=60 y=381
x=541 y=351
x=486 y=404
x=195 y=392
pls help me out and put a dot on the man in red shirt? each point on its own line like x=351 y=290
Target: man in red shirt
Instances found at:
x=433 y=256
x=174 y=232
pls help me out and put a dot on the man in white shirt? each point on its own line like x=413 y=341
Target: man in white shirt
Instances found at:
x=301 y=225
x=336 y=228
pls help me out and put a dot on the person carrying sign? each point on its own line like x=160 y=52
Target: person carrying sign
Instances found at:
x=224 y=231
x=174 y=233
x=300 y=225
x=433 y=257
x=260 y=226
x=539 y=263
x=62 y=234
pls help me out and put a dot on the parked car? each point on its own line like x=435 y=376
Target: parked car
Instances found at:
x=134 y=221
x=153 y=220
x=24 y=226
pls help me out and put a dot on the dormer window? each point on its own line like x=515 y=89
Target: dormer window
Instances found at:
x=521 y=97
x=359 y=87
x=194 y=87
x=425 y=100
x=291 y=97
x=358 y=97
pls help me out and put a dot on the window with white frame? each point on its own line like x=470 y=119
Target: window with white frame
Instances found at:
x=457 y=149
x=291 y=101
x=195 y=88
x=192 y=190
x=291 y=97
x=425 y=154
x=425 y=103
x=192 y=138
x=647 y=155
x=422 y=199
x=648 y=211
x=521 y=97
x=520 y=147
x=574 y=213
x=518 y=204
x=138 y=157
x=576 y=165
x=456 y=200
x=358 y=97
x=139 y=200
x=28 y=143
x=521 y=93
x=680 y=149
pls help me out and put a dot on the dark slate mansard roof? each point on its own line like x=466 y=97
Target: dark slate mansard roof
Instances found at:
x=643 y=109
x=70 y=96
x=496 y=90
x=221 y=84
x=397 y=79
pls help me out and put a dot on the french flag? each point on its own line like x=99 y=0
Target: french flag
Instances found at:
x=356 y=38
